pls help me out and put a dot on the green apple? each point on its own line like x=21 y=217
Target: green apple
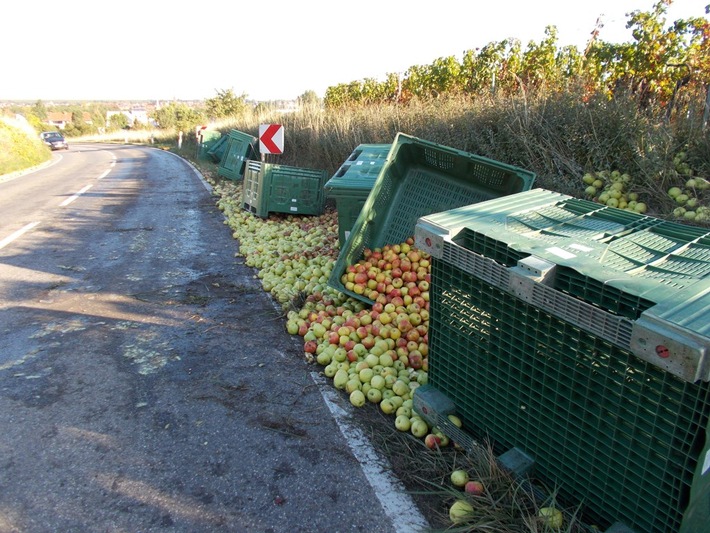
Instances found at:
x=459 y=477
x=460 y=511
x=551 y=517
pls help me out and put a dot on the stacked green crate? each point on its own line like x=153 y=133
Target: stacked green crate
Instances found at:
x=580 y=334
x=351 y=184
x=240 y=147
x=269 y=188
x=418 y=178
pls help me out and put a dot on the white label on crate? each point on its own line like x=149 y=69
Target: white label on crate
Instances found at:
x=294 y=209
x=580 y=247
x=347 y=234
x=564 y=254
x=706 y=463
x=359 y=163
x=294 y=200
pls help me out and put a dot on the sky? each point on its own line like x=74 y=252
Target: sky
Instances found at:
x=268 y=49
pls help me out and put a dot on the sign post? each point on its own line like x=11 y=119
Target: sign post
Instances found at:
x=271 y=139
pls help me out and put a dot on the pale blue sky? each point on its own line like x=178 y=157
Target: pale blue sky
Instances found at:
x=270 y=49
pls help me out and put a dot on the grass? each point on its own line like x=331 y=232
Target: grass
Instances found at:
x=20 y=147
x=507 y=505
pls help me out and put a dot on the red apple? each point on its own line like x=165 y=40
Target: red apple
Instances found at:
x=474 y=487
x=432 y=441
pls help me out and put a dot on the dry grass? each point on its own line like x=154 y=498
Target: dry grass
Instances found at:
x=508 y=505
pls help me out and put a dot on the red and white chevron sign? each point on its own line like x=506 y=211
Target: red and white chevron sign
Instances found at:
x=271 y=138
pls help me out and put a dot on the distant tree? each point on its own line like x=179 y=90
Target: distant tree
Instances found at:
x=177 y=116
x=226 y=104
x=308 y=99
x=40 y=110
x=119 y=121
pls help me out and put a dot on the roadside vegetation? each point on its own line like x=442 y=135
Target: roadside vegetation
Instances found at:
x=20 y=147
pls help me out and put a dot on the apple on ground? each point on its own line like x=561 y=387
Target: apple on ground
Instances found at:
x=459 y=478
x=432 y=441
x=475 y=488
x=460 y=511
x=551 y=517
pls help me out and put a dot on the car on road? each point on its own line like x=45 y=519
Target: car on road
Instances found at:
x=54 y=140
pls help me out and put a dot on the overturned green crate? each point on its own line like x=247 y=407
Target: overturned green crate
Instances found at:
x=579 y=334
x=269 y=188
x=216 y=150
x=240 y=147
x=418 y=178
x=351 y=184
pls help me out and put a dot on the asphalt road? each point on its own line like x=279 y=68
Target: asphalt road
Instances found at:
x=147 y=382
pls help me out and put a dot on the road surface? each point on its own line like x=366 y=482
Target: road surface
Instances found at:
x=147 y=382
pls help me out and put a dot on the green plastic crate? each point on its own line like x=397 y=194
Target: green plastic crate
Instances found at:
x=240 y=147
x=580 y=334
x=351 y=184
x=418 y=178
x=269 y=188
x=209 y=139
x=697 y=514
x=216 y=151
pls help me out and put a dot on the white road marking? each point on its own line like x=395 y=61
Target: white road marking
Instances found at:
x=7 y=240
x=396 y=503
x=74 y=197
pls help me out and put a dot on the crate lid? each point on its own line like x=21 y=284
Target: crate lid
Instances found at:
x=664 y=267
x=360 y=170
x=241 y=136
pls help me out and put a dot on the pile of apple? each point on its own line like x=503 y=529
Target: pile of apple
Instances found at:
x=294 y=255
x=689 y=206
x=690 y=199
x=612 y=188
x=378 y=353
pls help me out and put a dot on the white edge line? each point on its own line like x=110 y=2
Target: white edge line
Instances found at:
x=17 y=234
x=396 y=503
x=74 y=197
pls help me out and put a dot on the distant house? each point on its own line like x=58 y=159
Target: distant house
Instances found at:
x=60 y=119
x=134 y=115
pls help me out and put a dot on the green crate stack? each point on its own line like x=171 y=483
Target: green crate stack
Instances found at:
x=269 y=188
x=240 y=147
x=351 y=184
x=418 y=178
x=580 y=334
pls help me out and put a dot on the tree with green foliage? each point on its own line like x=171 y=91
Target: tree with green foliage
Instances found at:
x=308 y=99
x=118 y=121
x=226 y=105
x=177 y=116
x=40 y=110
